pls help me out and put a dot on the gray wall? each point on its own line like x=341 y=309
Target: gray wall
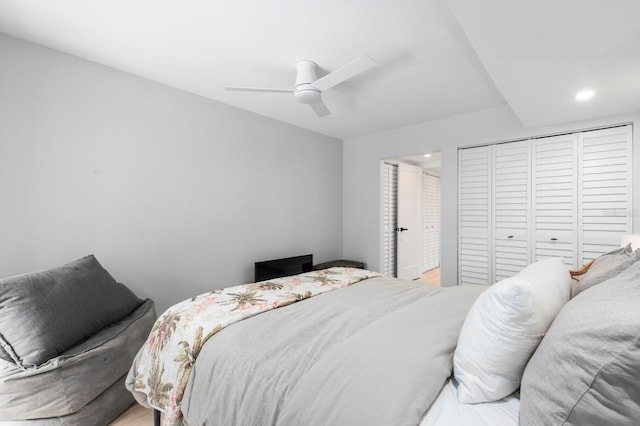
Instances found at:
x=362 y=156
x=174 y=194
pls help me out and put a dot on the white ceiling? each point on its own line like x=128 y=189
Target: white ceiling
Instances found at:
x=432 y=163
x=540 y=53
x=436 y=58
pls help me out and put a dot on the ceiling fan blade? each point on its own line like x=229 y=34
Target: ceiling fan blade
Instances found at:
x=344 y=73
x=320 y=108
x=257 y=89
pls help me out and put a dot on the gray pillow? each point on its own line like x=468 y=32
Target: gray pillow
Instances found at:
x=42 y=314
x=586 y=369
x=606 y=266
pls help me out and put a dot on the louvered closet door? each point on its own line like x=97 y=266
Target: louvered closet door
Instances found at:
x=554 y=188
x=389 y=218
x=435 y=218
x=474 y=216
x=511 y=207
x=604 y=198
x=431 y=221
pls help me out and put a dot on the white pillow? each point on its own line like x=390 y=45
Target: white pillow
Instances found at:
x=503 y=328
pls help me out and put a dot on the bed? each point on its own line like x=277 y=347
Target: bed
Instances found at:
x=347 y=346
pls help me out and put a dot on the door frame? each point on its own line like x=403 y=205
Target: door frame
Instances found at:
x=395 y=160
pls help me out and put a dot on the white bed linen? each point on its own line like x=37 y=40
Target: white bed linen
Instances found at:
x=446 y=410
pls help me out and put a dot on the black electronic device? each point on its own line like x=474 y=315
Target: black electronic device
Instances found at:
x=276 y=268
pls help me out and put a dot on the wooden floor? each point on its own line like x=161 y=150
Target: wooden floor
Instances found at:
x=431 y=277
x=137 y=415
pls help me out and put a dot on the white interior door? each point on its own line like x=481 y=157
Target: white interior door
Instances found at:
x=409 y=228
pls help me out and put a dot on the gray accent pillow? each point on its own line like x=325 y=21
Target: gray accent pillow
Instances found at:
x=44 y=313
x=606 y=266
x=586 y=370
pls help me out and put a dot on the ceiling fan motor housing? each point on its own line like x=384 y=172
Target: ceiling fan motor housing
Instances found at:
x=305 y=92
x=308 y=87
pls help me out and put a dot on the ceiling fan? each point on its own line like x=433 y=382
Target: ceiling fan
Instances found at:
x=308 y=87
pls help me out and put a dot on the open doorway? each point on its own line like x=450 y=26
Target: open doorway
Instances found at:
x=410 y=213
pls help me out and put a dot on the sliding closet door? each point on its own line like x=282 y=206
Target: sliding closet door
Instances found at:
x=604 y=196
x=511 y=207
x=555 y=181
x=474 y=216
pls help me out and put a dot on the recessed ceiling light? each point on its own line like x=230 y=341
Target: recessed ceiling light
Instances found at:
x=427 y=156
x=584 y=95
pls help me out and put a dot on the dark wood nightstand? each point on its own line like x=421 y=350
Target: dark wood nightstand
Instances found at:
x=339 y=263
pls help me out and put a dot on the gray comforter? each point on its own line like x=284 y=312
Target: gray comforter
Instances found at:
x=375 y=353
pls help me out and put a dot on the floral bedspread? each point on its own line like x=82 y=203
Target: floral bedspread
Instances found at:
x=160 y=372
